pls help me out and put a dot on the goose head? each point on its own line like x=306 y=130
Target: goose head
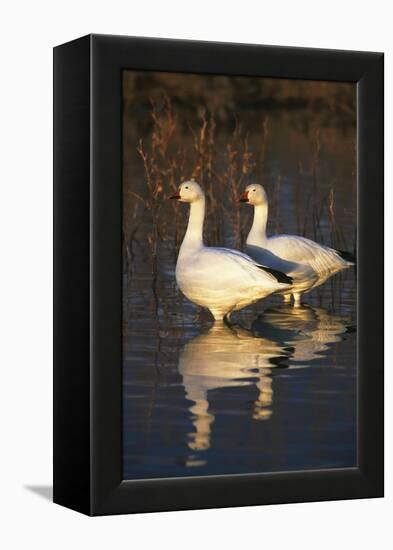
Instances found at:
x=254 y=194
x=189 y=191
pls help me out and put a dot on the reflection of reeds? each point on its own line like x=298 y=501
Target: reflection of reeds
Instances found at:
x=315 y=199
x=299 y=198
x=332 y=217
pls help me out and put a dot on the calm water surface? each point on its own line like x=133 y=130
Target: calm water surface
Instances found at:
x=276 y=391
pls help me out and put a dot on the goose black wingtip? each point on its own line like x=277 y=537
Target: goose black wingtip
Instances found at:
x=279 y=275
x=347 y=256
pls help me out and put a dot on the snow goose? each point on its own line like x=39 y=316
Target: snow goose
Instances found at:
x=219 y=279
x=312 y=263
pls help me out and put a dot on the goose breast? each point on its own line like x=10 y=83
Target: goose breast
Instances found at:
x=219 y=277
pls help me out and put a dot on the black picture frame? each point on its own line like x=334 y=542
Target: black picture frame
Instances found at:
x=87 y=275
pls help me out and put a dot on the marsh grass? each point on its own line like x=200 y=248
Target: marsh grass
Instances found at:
x=222 y=169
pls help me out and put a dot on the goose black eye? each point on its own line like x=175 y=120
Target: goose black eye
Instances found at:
x=254 y=190
x=186 y=187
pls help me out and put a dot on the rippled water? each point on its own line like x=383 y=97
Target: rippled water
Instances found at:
x=277 y=390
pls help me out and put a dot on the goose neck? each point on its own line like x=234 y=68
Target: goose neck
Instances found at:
x=194 y=234
x=257 y=233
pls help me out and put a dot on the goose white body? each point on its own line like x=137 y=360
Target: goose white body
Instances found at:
x=310 y=264
x=219 y=279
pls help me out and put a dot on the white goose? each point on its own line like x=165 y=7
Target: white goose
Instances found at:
x=311 y=263
x=219 y=279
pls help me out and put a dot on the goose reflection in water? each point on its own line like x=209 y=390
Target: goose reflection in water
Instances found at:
x=309 y=330
x=234 y=357
x=227 y=357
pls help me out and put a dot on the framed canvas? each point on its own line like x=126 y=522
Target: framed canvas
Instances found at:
x=225 y=347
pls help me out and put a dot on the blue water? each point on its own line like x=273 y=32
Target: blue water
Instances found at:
x=275 y=392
